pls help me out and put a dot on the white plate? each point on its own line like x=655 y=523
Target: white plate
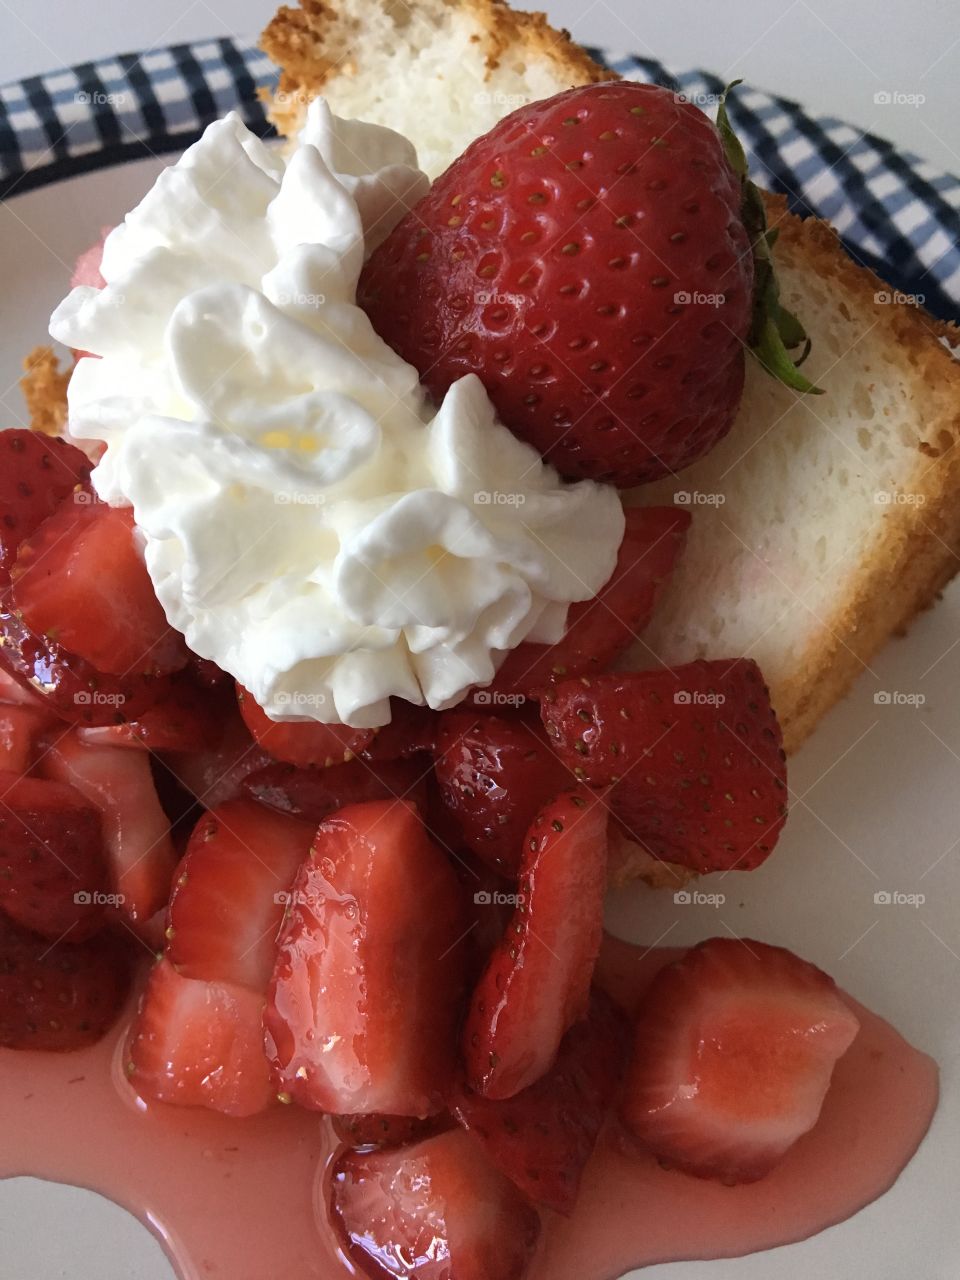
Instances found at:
x=875 y=810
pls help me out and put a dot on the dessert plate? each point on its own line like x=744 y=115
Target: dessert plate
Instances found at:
x=864 y=881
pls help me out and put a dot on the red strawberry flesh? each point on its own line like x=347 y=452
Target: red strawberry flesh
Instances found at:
x=537 y=982
x=735 y=1044
x=433 y=1211
x=694 y=755
x=363 y=1006
x=61 y=997
x=53 y=873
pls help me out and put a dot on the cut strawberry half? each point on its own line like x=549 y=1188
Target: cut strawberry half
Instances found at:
x=734 y=1047
x=411 y=729
x=542 y=1138
x=313 y=794
x=363 y=1006
x=136 y=830
x=67 y=683
x=20 y=730
x=230 y=893
x=599 y=630
x=694 y=754
x=302 y=742
x=388 y=1131
x=537 y=982
x=37 y=474
x=437 y=1209
x=62 y=997
x=53 y=873
x=80 y=579
x=494 y=774
x=199 y=1044
x=187 y=718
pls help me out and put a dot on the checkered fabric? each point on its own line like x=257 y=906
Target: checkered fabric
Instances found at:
x=895 y=212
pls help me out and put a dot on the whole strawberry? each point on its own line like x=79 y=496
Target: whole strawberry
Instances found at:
x=588 y=260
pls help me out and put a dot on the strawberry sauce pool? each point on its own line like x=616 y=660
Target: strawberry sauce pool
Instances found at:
x=243 y=1199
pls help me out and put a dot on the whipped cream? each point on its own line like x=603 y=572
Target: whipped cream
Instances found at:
x=311 y=523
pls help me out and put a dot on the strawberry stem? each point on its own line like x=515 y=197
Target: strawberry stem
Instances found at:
x=774 y=331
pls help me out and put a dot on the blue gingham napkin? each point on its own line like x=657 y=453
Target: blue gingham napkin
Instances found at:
x=896 y=213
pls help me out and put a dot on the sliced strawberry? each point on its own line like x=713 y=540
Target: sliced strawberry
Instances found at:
x=68 y=684
x=734 y=1047
x=411 y=729
x=313 y=794
x=438 y=1209
x=199 y=1044
x=37 y=473
x=20 y=728
x=302 y=742
x=363 y=1006
x=230 y=893
x=215 y=774
x=542 y=1138
x=696 y=753
x=537 y=982
x=58 y=997
x=387 y=1131
x=188 y=718
x=81 y=580
x=53 y=873
x=494 y=774
x=136 y=830
x=599 y=630
x=20 y=693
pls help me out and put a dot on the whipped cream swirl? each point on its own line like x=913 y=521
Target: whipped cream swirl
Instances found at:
x=311 y=523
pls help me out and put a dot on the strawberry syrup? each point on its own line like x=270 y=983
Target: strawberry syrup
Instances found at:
x=242 y=1199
